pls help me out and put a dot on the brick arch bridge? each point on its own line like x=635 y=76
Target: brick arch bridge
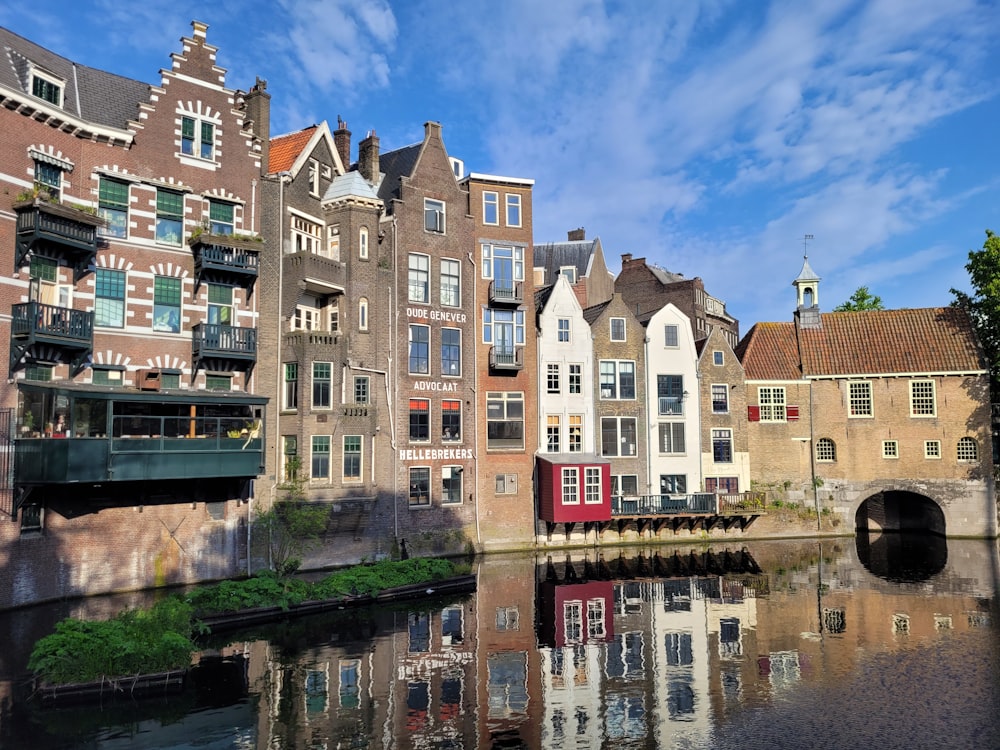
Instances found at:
x=899 y=510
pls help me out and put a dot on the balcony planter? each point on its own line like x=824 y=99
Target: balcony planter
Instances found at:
x=44 y=203
x=242 y=242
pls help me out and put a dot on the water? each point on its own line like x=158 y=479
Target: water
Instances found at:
x=889 y=643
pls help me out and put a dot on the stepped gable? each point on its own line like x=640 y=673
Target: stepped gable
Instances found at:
x=924 y=340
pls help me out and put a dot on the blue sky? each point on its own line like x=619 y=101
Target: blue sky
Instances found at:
x=708 y=137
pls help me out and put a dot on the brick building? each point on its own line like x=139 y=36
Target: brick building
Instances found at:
x=581 y=261
x=881 y=417
x=647 y=288
x=131 y=238
x=725 y=452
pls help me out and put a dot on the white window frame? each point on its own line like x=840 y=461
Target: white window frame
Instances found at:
x=671 y=336
x=491 y=199
x=344 y=478
x=723 y=389
x=890 y=449
x=932 y=449
x=434 y=216
x=563 y=332
x=617 y=372
x=592 y=486
x=513 y=204
x=620 y=322
x=363 y=243
x=962 y=452
x=917 y=398
x=772 y=402
x=50 y=79
x=619 y=439
x=450 y=293
x=418 y=273
x=718 y=358
x=859 y=400
x=826 y=450
x=569 y=485
x=312 y=173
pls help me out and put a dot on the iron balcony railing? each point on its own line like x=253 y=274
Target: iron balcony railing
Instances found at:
x=38 y=320
x=682 y=504
x=230 y=342
x=507 y=357
x=506 y=292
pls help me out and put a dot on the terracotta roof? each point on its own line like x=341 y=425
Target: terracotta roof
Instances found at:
x=931 y=339
x=925 y=340
x=769 y=352
x=285 y=149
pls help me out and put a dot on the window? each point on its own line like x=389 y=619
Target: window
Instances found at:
x=890 y=449
x=166 y=304
x=618 y=329
x=671 y=437
x=420 y=349
x=289 y=458
x=313 y=175
x=363 y=314
x=197 y=138
x=506 y=484
x=826 y=450
x=552 y=436
x=42 y=373
x=720 y=398
x=504 y=420
x=361 y=389
x=507 y=618
x=290 y=395
x=169 y=217
x=513 y=210
x=503 y=264
x=674 y=484
x=569 y=272
x=563 y=333
x=112 y=206
x=307 y=315
x=420 y=486
x=221 y=217
x=968 y=449
x=420 y=420
x=109 y=298
x=618 y=436
x=434 y=216
x=47 y=89
x=575 y=378
x=922 y=402
x=219 y=382
x=860 y=399
x=322 y=385
x=307 y=236
x=670 y=394
x=352 y=458
x=932 y=449
x=44 y=269
x=570 y=485
x=504 y=329
x=451 y=485
x=592 y=485
x=334 y=308
x=491 y=208
x=625 y=484
x=48 y=177
x=220 y=304
x=451 y=420
x=451 y=283
x=106 y=376
x=575 y=433
x=670 y=336
x=722 y=446
x=552 y=378
x=718 y=359
x=419 y=278
x=617 y=379
x=772 y=404
x=451 y=351
x=170 y=379
x=320 y=457
x=362 y=243
x=349 y=690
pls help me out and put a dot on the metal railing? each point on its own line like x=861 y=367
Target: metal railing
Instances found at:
x=50 y=320
x=683 y=504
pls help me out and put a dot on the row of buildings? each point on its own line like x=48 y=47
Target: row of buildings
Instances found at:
x=200 y=313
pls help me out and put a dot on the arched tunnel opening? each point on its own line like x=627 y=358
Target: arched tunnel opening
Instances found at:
x=901 y=536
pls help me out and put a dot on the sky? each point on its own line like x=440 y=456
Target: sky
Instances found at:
x=709 y=137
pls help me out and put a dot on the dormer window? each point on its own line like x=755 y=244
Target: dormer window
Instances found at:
x=47 y=88
x=569 y=272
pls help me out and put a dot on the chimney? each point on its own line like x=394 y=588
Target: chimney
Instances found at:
x=575 y=235
x=342 y=140
x=626 y=258
x=257 y=106
x=368 y=158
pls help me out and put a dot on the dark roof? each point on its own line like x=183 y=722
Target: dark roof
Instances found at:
x=88 y=93
x=542 y=295
x=877 y=342
x=394 y=165
x=591 y=314
x=554 y=255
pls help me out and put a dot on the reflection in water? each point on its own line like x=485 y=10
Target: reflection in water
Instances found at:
x=905 y=556
x=779 y=644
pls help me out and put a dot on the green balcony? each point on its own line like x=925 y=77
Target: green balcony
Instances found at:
x=58 y=230
x=226 y=258
x=223 y=347
x=35 y=324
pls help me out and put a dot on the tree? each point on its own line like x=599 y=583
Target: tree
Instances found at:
x=862 y=299
x=983 y=304
x=293 y=525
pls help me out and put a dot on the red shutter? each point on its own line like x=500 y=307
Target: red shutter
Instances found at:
x=753 y=413
x=792 y=413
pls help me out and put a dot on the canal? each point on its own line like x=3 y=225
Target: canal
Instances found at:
x=889 y=642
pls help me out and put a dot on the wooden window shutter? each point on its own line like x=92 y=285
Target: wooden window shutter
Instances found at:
x=753 y=413
x=791 y=413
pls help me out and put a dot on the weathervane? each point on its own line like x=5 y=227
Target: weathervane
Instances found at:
x=805 y=245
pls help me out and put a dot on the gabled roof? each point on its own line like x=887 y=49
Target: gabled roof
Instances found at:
x=89 y=94
x=285 y=149
x=555 y=255
x=877 y=342
x=591 y=314
x=394 y=165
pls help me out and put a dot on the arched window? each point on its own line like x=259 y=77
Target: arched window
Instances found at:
x=826 y=450
x=363 y=314
x=968 y=449
x=363 y=242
